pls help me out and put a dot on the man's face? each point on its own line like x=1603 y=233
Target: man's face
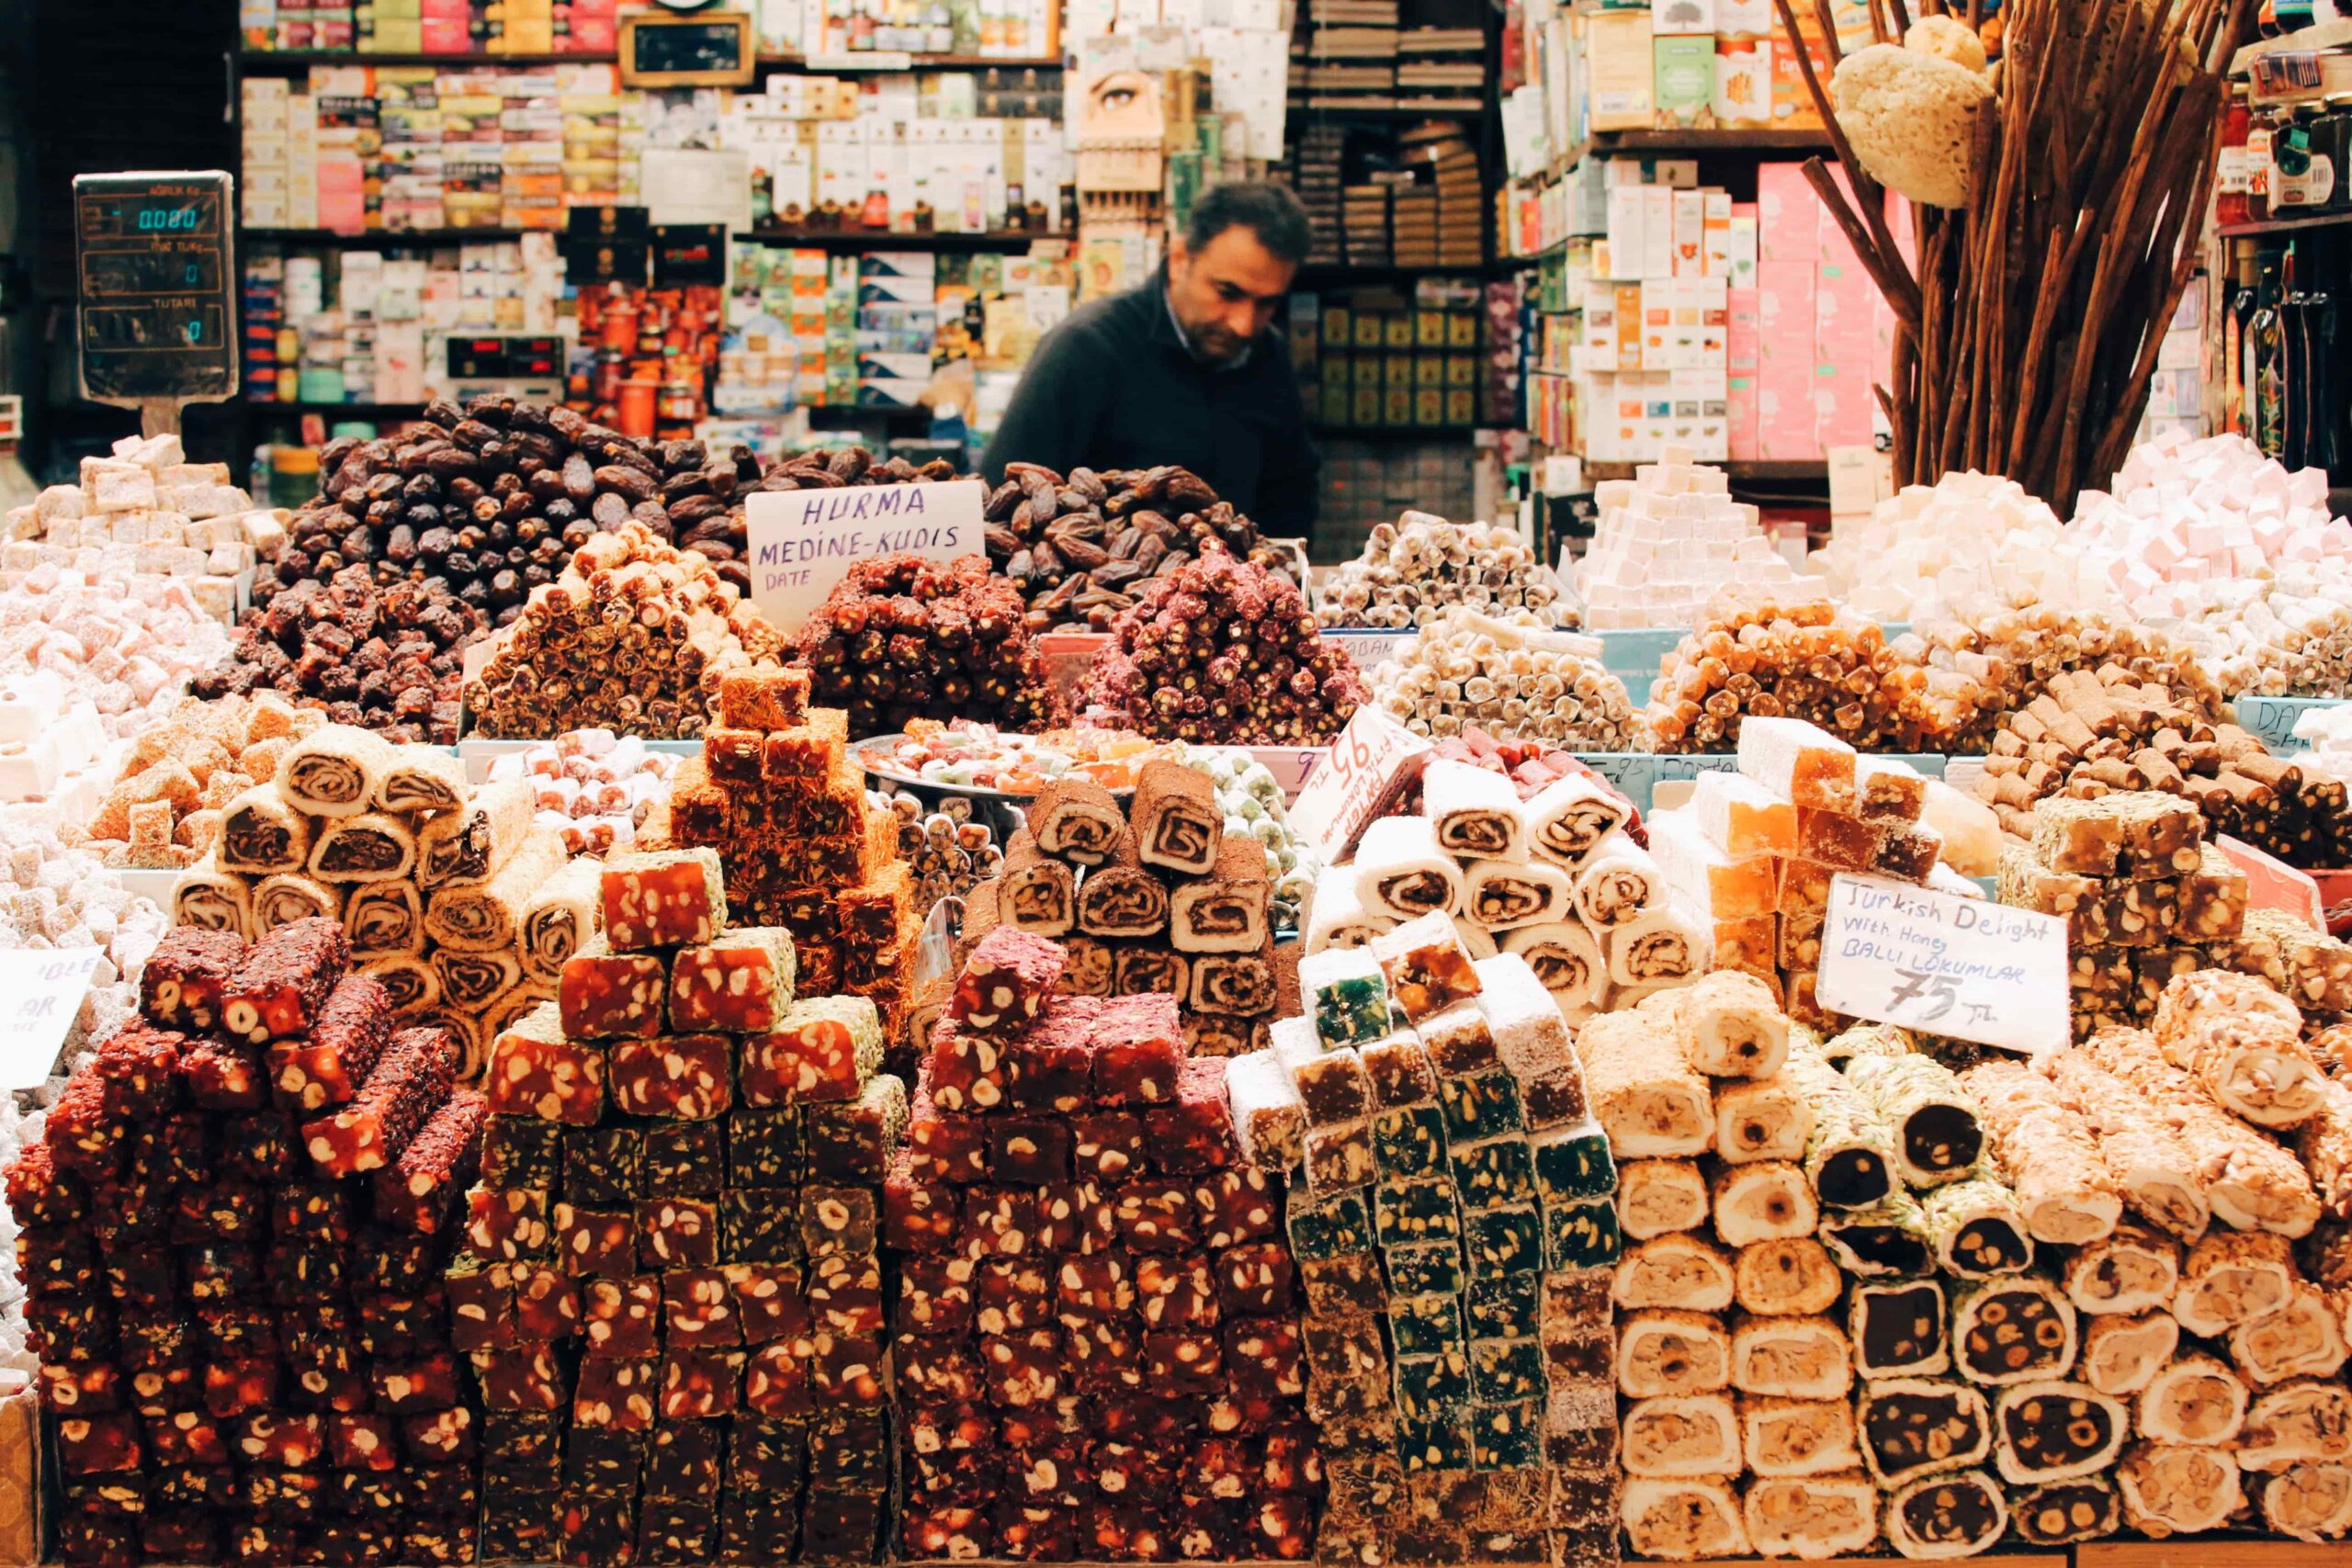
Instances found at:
x=1224 y=293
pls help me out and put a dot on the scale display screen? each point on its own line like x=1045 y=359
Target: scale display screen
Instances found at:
x=157 y=306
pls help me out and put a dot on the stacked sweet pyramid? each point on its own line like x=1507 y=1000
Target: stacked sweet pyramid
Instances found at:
x=1451 y=1214
x=775 y=793
x=1669 y=540
x=1097 y=1350
x=232 y=1232
x=673 y=1296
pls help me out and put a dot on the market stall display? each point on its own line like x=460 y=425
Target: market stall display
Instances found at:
x=1929 y=549
x=966 y=755
x=949 y=852
x=1508 y=675
x=1411 y=572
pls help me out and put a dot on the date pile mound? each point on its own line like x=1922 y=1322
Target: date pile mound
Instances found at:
x=1449 y=1212
x=776 y=797
x=387 y=659
x=1413 y=569
x=493 y=498
x=450 y=897
x=1156 y=897
x=1097 y=1347
x=1223 y=651
x=1081 y=550
x=233 y=1229
x=672 y=1294
x=634 y=636
x=1509 y=673
x=1782 y=654
x=902 y=638
x=2093 y=734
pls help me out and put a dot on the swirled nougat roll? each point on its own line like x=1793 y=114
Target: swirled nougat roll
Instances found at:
x=2302 y=1338
x=2067 y=1511
x=2305 y=1421
x=1679 y=1435
x=1798 y=762
x=1118 y=898
x=422 y=779
x=1885 y=1240
x=1791 y=1358
x=334 y=770
x=2309 y=1502
x=1565 y=958
x=1336 y=917
x=1657 y=946
x=1177 y=824
x=1787 y=1277
x=485 y=916
x=2243 y=1042
x=1078 y=820
x=1669 y=1352
x=1401 y=871
x=2055 y=1430
x=1851 y=1156
x=1684 y=1519
x=1502 y=896
x=1476 y=813
x=1817 y=1516
x=1036 y=893
x=1939 y=1516
x=1976 y=1229
x=1224 y=912
x=374 y=846
x=1761 y=1118
x=2232 y=1277
x=1567 y=817
x=1798 y=1437
x=470 y=844
x=2122 y=1355
x=1656 y=1196
x=2251 y=1182
x=2195 y=1398
x=212 y=898
x=261 y=833
x=1679 y=1269
x=1617 y=882
x=2014 y=1329
x=2178 y=1488
x=1914 y=1427
x=385 y=917
x=1938 y=1138
x=2143 y=1156
x=1763 y=1200
x=1897 y=1327
x=2045 y=1152
x=1642 y=1089
x=560 y=916
x=2135 y=1270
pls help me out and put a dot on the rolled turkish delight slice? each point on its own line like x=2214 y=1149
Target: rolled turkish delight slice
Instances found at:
x=289 y=897
x=2144 y=1157
x=1269 y=1118
x=1885 y=1240
x=284 y=980
x=2196 y=1398
x=1564 y=958
x=1790 y=1276
x=1897 y=1327
x=1477 y=813
x=471 y=844
x=1851 y=1157
x=2067 y=1511
x=2303 y=1422
x=1502 y=896
x=1118 y=898
x=1694 y=1435
x=2012 y=1330
x=1642 y=1089
x=2122 y=1355
x=1657 y=946
x=1076 y=819
x=1006 y=980
x=2232 y=1277
x=1671 y=1352
x=1937 y=1136
x=422 y=779
x=407 y=1086
x=1699 y=873
x=2177 y=1489
x=383 y=919
x=1346 y=995
x=1798 y=1437
x=471 y=981
x=1683 y=1519
x=1914 y=1427
x=334 y=770
x=1177 y=824
x=212 y=899
x=664 y=899
x=1798 y=762
x=2243 y=1042
x=1337 y=918
x=1618 y=881
x=187 y=976
x=1764 y=1201
x=1679 y=1269
x=2302 y=1338
x=1567 y=817
x=2252 y=1182
x=1819 y=1516
x=1791 y=1358
x=1224 y=912
x=262 y=833
x=1762 y=1118
x=559 y=918
x=409 y=981
x=2324 y=1145
x=1657 y=1196
x=370 y=847
x=2309 y=1502
x=1940 y=1517
x=1977 y=1229
x=2136 y=1269
x=1401 y=871
x=2045 y=1152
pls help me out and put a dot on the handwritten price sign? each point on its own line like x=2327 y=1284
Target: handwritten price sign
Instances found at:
x=802 y=541
x=1373 y=757
x=1973 y=970
x=44 y=991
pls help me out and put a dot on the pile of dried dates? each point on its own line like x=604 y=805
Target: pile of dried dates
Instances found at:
x=1081 y=549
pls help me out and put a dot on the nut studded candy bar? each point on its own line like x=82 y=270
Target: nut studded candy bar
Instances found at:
x=343 y=1047
x=411 y=1082
x=536 y=1071
x=188 y=976
x=689 y=1077
x=742 y=984
x=1006 y=980
x=1138 y=1051
x=824 y=1048
x=284 y=980
x=415 y=1192
x=665 y=898
x=1346 y=996
x=1424 y=965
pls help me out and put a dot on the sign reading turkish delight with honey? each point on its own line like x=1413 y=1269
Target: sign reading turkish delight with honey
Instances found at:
x=802 y=541
x=1935 y=961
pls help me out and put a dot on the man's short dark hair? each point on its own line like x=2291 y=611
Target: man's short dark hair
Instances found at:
x=1267 y=209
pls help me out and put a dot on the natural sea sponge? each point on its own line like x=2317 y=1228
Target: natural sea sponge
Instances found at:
x=1946 y=37
x=1912 y=119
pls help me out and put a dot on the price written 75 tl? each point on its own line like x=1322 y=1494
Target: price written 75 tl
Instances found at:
x=1939 y=994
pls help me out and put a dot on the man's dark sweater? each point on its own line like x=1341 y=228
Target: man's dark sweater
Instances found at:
x=1115 y=387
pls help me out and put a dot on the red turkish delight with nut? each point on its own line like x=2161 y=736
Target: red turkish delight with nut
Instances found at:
x=417 y=1191
x=418 y=1070
x=684 y=1078
x=412 y=1383
x=364 y=1442
x=287 y=1441
x=599 y=1242
x=328 y=1066
x=846 y=1369
x=604 y=995
x=937 y=1366
x=1036 y=1533
x=81 y=1388
x=1261 y=1357
x=918 y=1216
x=665 y=898
x=235 y=1385
x=1181 y=1363
x=1255 y=1279
x=619 y=1394
x=481 y=1305
x=822 y=1049
x=1028 y=1149
x=547 y=1305
x=439 y=1434
x=775 y=1378
x=1286 y=1527
x=742 y=984
x=1023 y=1369
x=999 y=1221
x=1007 y=978
x=187 y=974
x=187 y=1437
x=1138 y=1051
x=1155 y=1216
x=98 y=1445
x=968 y=1073
x=945 y=1148
x=218 y=1074
x=84 y=1135
x=1195 y=1135
x=935 y=1294
x=622 y=1316
x=137 y=1067
x=1013 y=1294
x=1237 y=1206
x=508 y=1222
x=677 y=1232
x=42 y=1192
x=769 y=1304
x=1053 y=1077
x=389 y=1325
x=1109 y=1146
x=698 y=1309
x=278 y=990
x=697 y=1384
x=1096 y=1289
x=844 y=1293
x=1176 y=1292
x=943 y=1531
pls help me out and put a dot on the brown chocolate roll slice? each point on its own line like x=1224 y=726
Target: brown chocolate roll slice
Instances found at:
x=407 y=980
x=1088 y=973
x=1177 y=824
x=422 y=779
x=289 y=897
x=2067 y=1511
x=472 y=844
x=1076 y=819
x=1897 y=1327
x=1884 y=1240
x=1118 y=899
x=1234 y=983
x=261 y=834
x=2012 y=1331
x=1038 y=893
x=469 y=979
x=1912 y=1425
x=371 y=847
x=384 y=917
x=1135 y=971
x=2056 y=1431
x=1958 y=1514
x=1224 y=912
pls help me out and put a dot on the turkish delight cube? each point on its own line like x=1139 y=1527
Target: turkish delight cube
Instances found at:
x=1339 y=1157
x=824 y=1048
x=687 y=1077
x=850 y=1141
x=1503 y=1240
x=603 y=994
x=1432 y=1268
x=1582 y=1234
x=676 y=1233
x=687 y=1159
x=759 y=1225
x=620 y=1317
x=1571 y=1163
x=1327 y=1227
x=769 y=1301
x=1493 y=1174
x=603 y=1166
x=765 y=1148
x=598 y=1242
x=1237 y=1206
x=617 y=1393
x=1409 y=1141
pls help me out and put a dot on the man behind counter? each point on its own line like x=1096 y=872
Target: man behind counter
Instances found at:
x=1186 y=369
